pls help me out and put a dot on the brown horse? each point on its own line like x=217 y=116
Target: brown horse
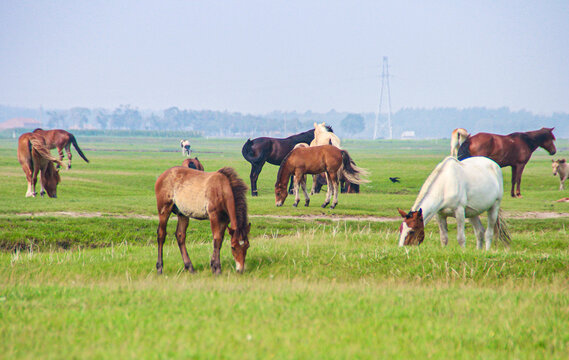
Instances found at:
x=219 y=196
x=509 y=150
x=61 y=139
x=315 y=160
x=193 y=164
x=34 y=156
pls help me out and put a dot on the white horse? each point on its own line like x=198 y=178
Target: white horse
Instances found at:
x=560 y=167
x=186 y=150
x=460 y=189
x=322 y=136
x=458 y=136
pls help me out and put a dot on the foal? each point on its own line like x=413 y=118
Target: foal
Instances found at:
x=560 y=167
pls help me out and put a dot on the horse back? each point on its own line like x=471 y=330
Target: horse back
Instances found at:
x=505 y=150
x=56 y=138
x=316 y=159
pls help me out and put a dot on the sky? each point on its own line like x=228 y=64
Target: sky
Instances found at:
x=260 y=56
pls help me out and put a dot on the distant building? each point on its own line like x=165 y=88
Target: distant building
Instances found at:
x=408 y=135
x=20 y=123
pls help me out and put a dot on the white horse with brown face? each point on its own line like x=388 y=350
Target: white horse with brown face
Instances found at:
x=460 y=189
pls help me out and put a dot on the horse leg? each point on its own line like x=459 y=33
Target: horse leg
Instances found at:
x=328 y=192
x=35 y=179
x=519 y=181
x=514 y=172
x=163 y=215
x=478 y=230
x=306 y=197
x=562 y=182
x=255 y=171
x=181 y=229
x=297 y=179
x=443 y=229
x=493 y=213
x=313 y=188
x=60 y=152
x=68 y=151
x=460 y=219
x=218 y=231
x=335 y=183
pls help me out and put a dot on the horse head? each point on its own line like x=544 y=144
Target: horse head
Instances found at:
x=547 y=140
x=239 y=246
x=185 y=144
x=280 y=193
x=412 y=229
x=555 y=165
x=49 y=179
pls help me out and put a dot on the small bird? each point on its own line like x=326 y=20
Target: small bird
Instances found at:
x=394 y=179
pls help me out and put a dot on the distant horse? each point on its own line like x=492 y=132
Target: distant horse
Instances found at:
x=456 y=140
x=509 y=150
x=186 y=148
x=560 y=167
x=460 y=189
x=315 y=160
x=34 y=156
x=219 y=196
x=193 y=164
x=61 y=139
x=271 y=150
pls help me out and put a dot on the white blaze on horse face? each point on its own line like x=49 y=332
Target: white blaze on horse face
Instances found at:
x=403 y=231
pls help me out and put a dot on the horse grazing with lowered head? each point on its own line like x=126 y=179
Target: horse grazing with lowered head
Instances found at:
x=34 y=156
x=271 y=150
x=315 y=160
x=193 y=164
x=560 y=167
x=509 y=150
x=459 y=189
x=61 y=139
x=218 y=196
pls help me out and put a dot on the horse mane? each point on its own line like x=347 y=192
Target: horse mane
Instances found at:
x=239 y=189
x=329 y=128
x=425 y=189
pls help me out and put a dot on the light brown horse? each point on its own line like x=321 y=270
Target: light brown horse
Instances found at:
x=219 y=196
x=315 y=160
x=193 y=164
x=34 y=156
x=61 y=139
x=509 y=150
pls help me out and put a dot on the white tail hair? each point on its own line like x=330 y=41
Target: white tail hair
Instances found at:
x=458 y=137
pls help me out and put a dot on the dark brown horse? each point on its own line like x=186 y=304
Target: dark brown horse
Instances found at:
x=345 y=186
x=34 y=156
x=315 y=160
x=271 y=150
x=61 y=139
x=509 y=150
x=218 y=196
x=193 y=164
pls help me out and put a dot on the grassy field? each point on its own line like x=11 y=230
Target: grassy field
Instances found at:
x=77 y=273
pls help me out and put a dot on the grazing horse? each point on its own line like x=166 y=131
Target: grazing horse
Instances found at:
x=509 y=150
x=61 y=139
x=460 y=189
x=315 y=160
x=193 y=164
x=186 y=148
x=34 y=156
x=219 y=196
x=271 y=150
x=560 y=167
x=457 y=138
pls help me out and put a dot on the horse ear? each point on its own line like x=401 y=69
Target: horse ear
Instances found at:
x=420 y=212
x=231 y=231
x=402 y=213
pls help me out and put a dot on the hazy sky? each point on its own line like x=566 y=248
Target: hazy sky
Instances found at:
x=259 y=56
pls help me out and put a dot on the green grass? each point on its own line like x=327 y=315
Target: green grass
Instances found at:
x=85 y=286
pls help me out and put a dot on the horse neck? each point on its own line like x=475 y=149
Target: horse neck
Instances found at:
x=432 y=192
x=430 y=205
x=535 y=139
x=284 y=173
x=306 y=136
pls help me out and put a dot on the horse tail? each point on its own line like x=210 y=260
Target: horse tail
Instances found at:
x=239 y=189
x=39 y=146
x=501 y=229
x=249 y=154
x=457 y=138
x=464 y=150
x=352 y=172
x=76 y=146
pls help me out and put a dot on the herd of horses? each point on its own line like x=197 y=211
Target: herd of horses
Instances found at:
x=464 y=185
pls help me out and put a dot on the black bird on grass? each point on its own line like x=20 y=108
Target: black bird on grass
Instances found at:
x=394 y=179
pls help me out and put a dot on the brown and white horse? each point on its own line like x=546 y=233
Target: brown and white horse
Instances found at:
x=61 y=139
x=315 y=160
x=34 y=156
x=560 y=167
x=218 y=196
x=193 y=164
x=509 y=150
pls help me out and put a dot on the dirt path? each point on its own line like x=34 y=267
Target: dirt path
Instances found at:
x=527 y=215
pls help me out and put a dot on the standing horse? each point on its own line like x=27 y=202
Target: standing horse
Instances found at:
x=61 y=139
x=271 y=150
x=460 y=189
x=560 y=167
x=186 y=148
x=193 y=164
x=324 y=135
x=509 y=150
x=315 y=160
x=219 y=196
x=34 y=156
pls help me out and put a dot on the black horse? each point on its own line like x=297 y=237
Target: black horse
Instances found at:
x=271 y=150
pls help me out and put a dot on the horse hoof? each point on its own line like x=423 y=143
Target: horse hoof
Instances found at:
x=332 y=206
x=295 y=204
x=325 y=204
x=307 y=203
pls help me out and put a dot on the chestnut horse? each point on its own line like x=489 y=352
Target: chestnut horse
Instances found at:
x=509 y=150
x=315 y=160
x=61 y=139
x=219 y=196
x=193 y=164
x=34 y=156
x=271 y=150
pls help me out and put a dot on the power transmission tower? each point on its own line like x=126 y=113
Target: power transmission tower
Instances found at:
x=384 y=83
